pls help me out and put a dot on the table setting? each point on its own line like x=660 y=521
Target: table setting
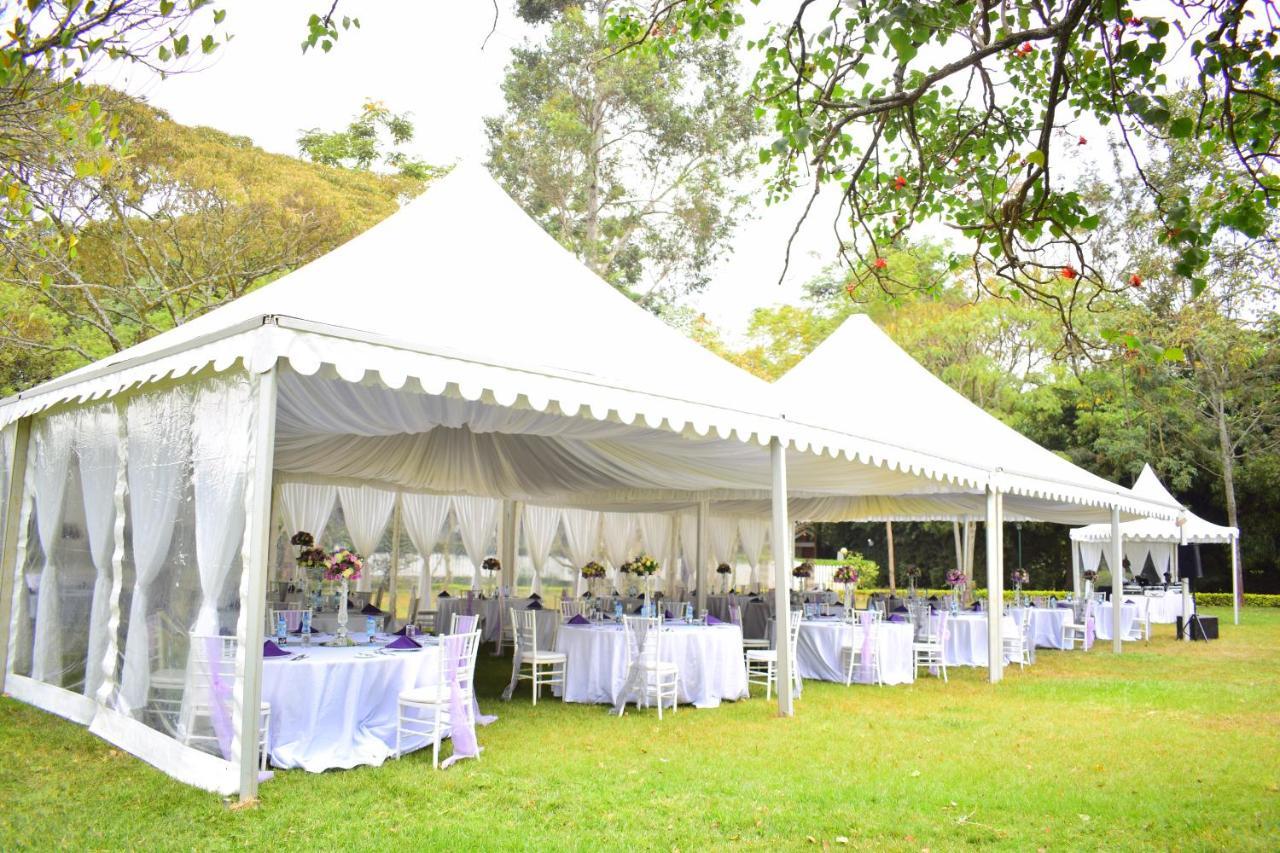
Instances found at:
x=818 y=649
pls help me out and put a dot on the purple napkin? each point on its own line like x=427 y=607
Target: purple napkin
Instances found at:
x=666 y=614
x=370 y=610
x=900 y=609
x=976 y=606
x=1062 y=605
x=535 y=596
x=1127 y=601
x=403 y=643
x=444 y=594
x=579 y=619
x=897 y=617
x=400 y=633
x=711 y=620
x=534 y=605
x=271 y=650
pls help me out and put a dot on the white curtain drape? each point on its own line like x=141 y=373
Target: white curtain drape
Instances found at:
x=1091 y=555
x=752 y=533
x=655 y=534
x=423 y=517
x=581 y=538
x=723 y=533
x=540 y=526
x=618 y=533
x=366 y=511
x=220 y=451
x=51 y=440
x=97 y=449
x=159 y=434
x=477 y=525
x=689 y=549
x=306 y=506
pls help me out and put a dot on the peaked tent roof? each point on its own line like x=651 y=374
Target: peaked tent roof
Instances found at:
x=888 y=397
x=1149 y=486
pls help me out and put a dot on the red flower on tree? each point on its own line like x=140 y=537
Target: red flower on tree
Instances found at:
x=899 y=182
x=880 y=263
x=1135 y=280
x=1134 y=22
x=1082 y=141
x=1025 y=48
x=1069 y=272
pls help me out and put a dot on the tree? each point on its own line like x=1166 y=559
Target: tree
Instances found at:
x=190 y=219
x=373 y=138
x=964 y=112
x=629 y=160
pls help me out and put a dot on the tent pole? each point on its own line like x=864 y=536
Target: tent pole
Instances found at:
x=12 y=510
x=254 y=584
x=393 y=573
x=955 y=529
x=510 y=535
x=700 y=555
x=1117 y=579
x=1236 y=593
x=1075 y=568
x=995 y=599
x=782 y=534
x=888 y=532
x=970 y=546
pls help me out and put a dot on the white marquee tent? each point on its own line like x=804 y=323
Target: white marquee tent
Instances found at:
x=452 y=350
x=1156 y=538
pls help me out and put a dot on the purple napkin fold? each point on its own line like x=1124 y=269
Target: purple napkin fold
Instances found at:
x=579 y=619
x=444 y=594
x=976 y=606
x=401 y=632
x=403 y=643
x=1062 y=605
x=370 y=610
x=711 y=620
x=271 y=650
x=535 y=596
x=897 y=617
x=534 y=605
x=1128 y=601
x=666 y=614
x=900 y=609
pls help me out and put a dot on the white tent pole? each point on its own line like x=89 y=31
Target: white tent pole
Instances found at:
x=888 y=532
x=970 y=546
x=1075 y=568
x=1235 y=580
x=254 y=604
x=955 y=529
x=393 y=573
x=1117 y=579
x=782 y=554
x=700 y=555
x=995 y=603
x=9 y=555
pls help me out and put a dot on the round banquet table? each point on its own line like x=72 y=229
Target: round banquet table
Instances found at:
x=337 y=707
x=1102 y=624
x=966 y=643
x=818 y=650
x=491 y=612
x=709 y=658
x=1046 y=625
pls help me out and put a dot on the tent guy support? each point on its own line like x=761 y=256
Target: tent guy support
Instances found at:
x=782 y=534
x=994 y=529
x=1115 y=561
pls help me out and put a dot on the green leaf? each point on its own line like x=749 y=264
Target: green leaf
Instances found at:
x=1035 y=157
x=1174 y=354
x=1180 y=128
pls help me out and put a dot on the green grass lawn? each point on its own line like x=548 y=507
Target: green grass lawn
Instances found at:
x=1170 y=746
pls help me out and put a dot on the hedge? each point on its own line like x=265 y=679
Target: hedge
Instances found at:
x=1204 y=599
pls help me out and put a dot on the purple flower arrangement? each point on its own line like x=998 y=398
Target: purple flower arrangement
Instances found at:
x=846 y=575
x=342 y=565
x=644 y=565
x=1020 y=577
x=956 y=578
x=724 y=569
x=804 y=570
x=593 y=570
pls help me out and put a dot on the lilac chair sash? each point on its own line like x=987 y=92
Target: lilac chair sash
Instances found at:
x=461 y=730
x=868 y=636
x=219 y=697
x=471 y=602
x=1089 y=628
x=467 y=623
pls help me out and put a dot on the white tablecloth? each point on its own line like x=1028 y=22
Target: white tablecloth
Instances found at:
x=1163 y=609
x=337 y=707
x=709 y=658
x=490 y=617
x=1128 y=615
x=818 y=650
x=1046 y=625
x=966 y=643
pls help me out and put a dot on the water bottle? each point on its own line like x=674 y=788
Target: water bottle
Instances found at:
x=370 y=626
x=688 y=612
x=617 y=610
x=282 y=636
x=306 y=627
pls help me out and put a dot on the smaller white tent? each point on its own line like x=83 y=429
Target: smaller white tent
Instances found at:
x=1156 y=538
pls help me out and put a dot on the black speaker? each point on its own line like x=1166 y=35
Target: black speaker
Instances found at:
x=1202 y=628
x=1189 y=562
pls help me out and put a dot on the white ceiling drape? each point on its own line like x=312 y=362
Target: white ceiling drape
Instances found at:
x=655 y=534
x=477 y=525
x=424 y=517
x=581 y=538
x=753 y=533
x=366 y=511
x=723 y=533
x=540 y=526
x=618 y=534
x=306 y=506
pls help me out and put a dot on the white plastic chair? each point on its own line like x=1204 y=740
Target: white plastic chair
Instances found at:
x=426 y=621
x=571 y=607
x=851 y=650
x=506 y=631
x=762 y=663
x=1017 y=648
x=647 y=672
x=929 y=650
x=425 y=710
x=463 y=623
x=1141 y=629
x=215 y=657
x=545 y=667
x=168 y=679
x=735 y=616
x=292 y=620
x=1078 y=632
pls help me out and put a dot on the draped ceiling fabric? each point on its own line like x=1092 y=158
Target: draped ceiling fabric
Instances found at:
x=618 y=535
x=306 y=506
x=424 y=517
x=540 y=526
x=723 y=533
x=397 y=384
x=366 y=511
x=581 y=538
x=477 y=525
x=753 y=533
x=655 y=536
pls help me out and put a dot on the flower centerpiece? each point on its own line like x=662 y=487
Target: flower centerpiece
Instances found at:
x=804 y=571
x=310 y=561
x=491 y=564
x=726 y=570
x=913 y=575
x=1089 y=575
x=592 y=572
x=957 y=580
x=343 y=566
x=645 y=567
x=847 y=575
x=1019 y=578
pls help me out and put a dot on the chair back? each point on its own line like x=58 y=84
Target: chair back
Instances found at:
x=735 y=613
x=525 y=625
x=426 y=621
x=793 y=632
x=463 y=623
x=292 y=620
x=466 y=662
x=644 y=639
x=570 y=607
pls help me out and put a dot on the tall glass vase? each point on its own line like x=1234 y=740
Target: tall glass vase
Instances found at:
x=342 y=613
